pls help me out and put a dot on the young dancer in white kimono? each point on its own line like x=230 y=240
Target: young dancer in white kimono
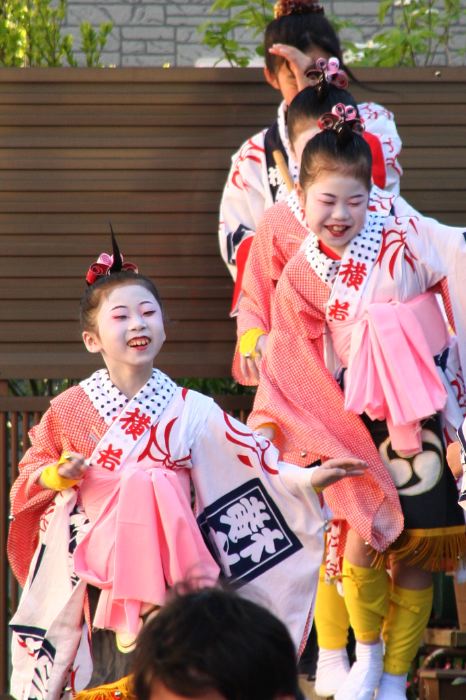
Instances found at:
x=294 y=40
x=279 y=236
x=102 y=519
x=356 y=308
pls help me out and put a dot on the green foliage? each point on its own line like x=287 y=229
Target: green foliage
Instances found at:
x=12 y=21
x=420 y=29
x=39 y=387
x=93 y=42
x=250 y=17
x=31 y=35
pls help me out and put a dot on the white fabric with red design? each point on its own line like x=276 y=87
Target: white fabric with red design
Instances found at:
x=129 y=529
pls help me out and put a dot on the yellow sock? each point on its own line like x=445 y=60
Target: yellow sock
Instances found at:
x=331 y=617
x=366 y=597
x=407 y=618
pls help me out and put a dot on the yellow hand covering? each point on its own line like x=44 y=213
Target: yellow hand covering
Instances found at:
x=119 y=690
x=51 y=479
x=248 y=341
x=330 y=617
x=366 y=596
x=407 y=618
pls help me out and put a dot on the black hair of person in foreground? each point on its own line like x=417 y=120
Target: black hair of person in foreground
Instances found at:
x=211 y=644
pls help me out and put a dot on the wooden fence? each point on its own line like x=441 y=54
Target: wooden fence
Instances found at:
x=149 y=149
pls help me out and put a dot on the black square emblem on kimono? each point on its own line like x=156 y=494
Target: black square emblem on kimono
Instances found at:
x=246 y=532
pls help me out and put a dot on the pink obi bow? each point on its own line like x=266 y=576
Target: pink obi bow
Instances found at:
x=391 y=373
x=143 y=538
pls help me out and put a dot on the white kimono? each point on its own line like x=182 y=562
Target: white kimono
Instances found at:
x=259 y=517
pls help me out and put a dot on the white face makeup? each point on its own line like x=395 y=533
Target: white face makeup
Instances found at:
x=335 y=208
x=129 y=330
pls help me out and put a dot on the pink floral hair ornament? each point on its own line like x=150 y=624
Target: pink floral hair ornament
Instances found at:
x=283 y=8
x=108 y=264
x=324 y=73
x=343 y=120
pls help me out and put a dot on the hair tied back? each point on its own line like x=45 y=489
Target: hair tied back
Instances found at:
x=108 y=264
x=283 y=8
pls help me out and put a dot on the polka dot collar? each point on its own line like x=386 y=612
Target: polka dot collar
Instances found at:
x=108 y=400
x=363 y=248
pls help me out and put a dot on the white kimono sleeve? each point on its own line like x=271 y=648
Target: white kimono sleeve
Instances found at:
x=381 y=122
x=262 y=518
x=441 y=252
x=245 y=198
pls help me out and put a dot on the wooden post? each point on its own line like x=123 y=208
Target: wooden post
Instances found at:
x=4 y=510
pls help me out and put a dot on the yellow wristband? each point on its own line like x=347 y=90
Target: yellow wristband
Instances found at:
x=51 y=479
x=248 y=341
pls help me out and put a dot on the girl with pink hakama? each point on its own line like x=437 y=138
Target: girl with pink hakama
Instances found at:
x=359 y=357
x=103 y=523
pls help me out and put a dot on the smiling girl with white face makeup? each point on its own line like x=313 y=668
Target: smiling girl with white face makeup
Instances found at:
x=353 y=358
x=103 y=523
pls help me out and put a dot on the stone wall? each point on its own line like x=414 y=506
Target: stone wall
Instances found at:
x=157 y=32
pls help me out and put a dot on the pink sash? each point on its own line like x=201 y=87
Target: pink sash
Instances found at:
x=391 y=372
x=144 y=539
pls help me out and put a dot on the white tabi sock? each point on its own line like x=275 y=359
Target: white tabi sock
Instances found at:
x=392 y=687
x=332 y=669
x=364 y=677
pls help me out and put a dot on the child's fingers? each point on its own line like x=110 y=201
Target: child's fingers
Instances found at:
x=73 y=467
x=348 y=464
x=249 y=368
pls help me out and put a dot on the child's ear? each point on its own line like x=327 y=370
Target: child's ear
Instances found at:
x=91 y=341
x=271 y=78
x=300 y=193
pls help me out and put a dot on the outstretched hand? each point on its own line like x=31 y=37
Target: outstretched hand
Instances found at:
x=334 y=470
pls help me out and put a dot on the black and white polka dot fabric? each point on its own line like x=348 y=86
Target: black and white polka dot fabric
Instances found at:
x=108 y=400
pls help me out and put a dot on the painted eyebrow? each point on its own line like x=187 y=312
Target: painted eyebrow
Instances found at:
x=330 y=194
x=122 y=306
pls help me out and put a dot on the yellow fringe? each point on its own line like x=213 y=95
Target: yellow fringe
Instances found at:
x=435 y=549
x=119 y=690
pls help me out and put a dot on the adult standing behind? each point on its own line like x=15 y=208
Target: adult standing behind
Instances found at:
x=300 y=29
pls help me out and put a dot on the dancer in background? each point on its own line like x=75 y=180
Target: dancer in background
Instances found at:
x=255 y=182
x=359 y=353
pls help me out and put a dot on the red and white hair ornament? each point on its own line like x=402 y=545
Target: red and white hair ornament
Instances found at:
x=341 y=117
x=108 y=264
x=328 y=72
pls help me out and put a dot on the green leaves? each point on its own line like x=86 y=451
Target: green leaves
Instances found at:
x=421 y=29
x=93 y=42
x=246 y=18
x=31 y=35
